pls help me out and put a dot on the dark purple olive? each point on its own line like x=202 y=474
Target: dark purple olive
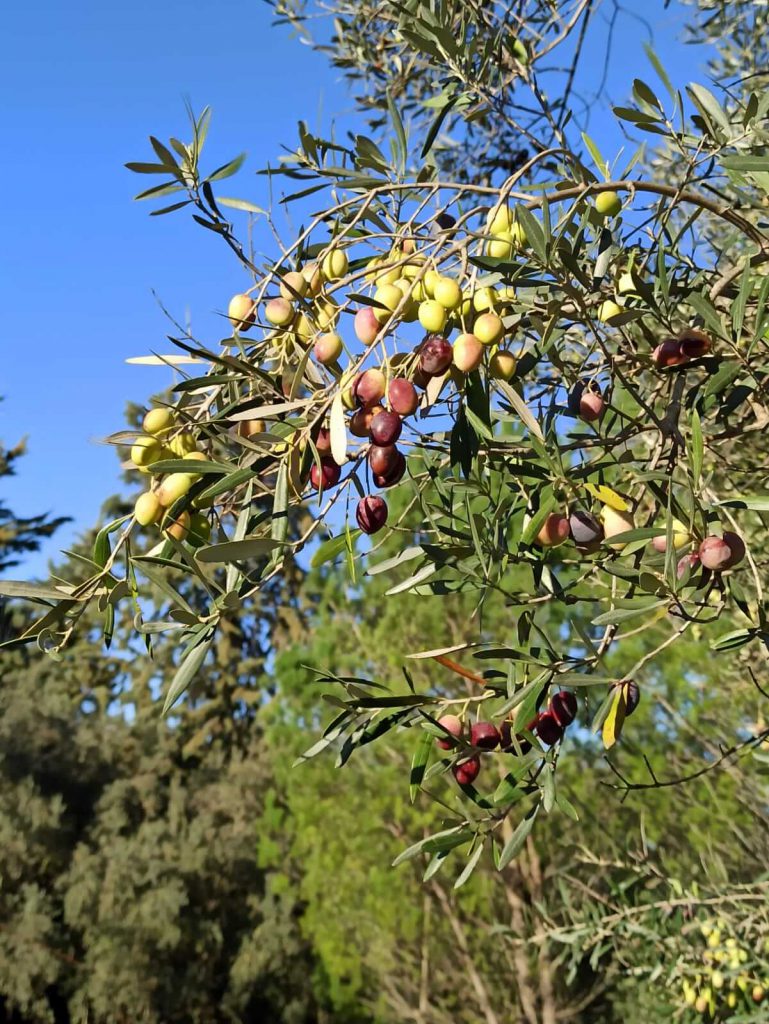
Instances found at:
x=736 y=545
x=323 y=441
x=383 y=459
x=506 y=742
x=694 y=344
x=466 y=772
x=632 y=696
x=547 y=728
x=393 y=475
x=563 y=706
x=329 y=473
x=385 y=428
x=371 y=513
x=484 y=735
x=586 y=531
x=435 y=355
x=445 y=221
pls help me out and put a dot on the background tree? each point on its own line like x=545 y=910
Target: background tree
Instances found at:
x=20 y=535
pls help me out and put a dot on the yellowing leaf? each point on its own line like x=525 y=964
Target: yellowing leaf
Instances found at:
x=338 y=430
x=608 y=497
x=612 y=724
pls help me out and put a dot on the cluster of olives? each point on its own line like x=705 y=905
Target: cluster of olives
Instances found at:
x=548 y=725
x=163 y=439
x=714 y=553
x=690 y=344
x=407 y=285
x=725 y=982
x=379 y=399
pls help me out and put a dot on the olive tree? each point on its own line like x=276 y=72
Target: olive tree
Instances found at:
x=553 y=363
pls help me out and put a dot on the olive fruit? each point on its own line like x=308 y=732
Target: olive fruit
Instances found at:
x=563 y=707
x=147 y=509
x=371 y=513
x=466 y=772
x=394 y=474
x=402 y=396
x=385 y=428
x=326 y=476
x=453 y=726
x=435 y=355
x=548 y=729
x=484 y=735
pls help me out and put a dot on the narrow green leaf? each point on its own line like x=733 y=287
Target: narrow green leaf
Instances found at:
x=435 y=865
x=731 y=641
x=536 y=522
x=564 y=804
x=419 y=763
x=469 y=867
x=279 y=528
x=534 y=232
x=595 y=152
x=170 y=209
x=164 y=154
x=657 y=65
x=740 y=303
x=697 y=448
x=229 y=483
x=602 y=712
x=435 y=127
x=419 y=577
x=329 y=549
x=157 y=579
x=228 y=169
x=407 y=555
x=400 y=133
x=521 y=408
x=508 y=791
x=416 y=848
x=548 y=788
x=234 y=575
x=708 y=105
x=187 y=670
x=240 y=204
x=758 y=503
x=514 y=845
x=480 y=428
x=36 y=591
x=101 y=548
x=199 y=468
x=644 y=94
x=144 y=168
x=746 y=163
x=616 y=615
x=702 y=305
x=238 y=550
x=167 y=188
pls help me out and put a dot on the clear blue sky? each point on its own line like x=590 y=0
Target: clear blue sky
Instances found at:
x=85 y=83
